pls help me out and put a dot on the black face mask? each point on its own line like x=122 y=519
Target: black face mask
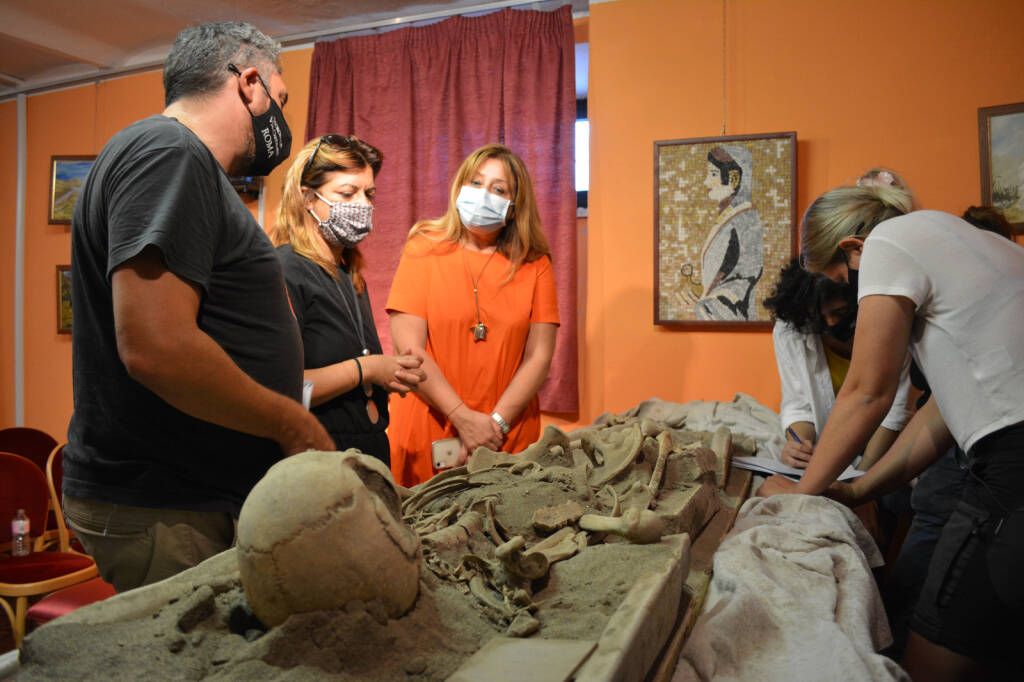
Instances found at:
x=843 y=330
x=272 y=136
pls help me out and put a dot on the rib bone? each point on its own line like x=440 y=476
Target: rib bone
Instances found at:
x=457 y=534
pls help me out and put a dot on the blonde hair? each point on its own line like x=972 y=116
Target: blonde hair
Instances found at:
x=847 y=212
x=521 y=240
x=294 y=224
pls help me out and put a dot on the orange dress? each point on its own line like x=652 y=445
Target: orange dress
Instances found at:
x=433 y=282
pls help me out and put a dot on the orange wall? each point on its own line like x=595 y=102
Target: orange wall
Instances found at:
x=67 y=122
x=295 y=68
x=863 y=83
x=72 y=122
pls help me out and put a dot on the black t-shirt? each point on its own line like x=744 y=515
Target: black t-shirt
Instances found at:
x=156 y=184
x=325 y=310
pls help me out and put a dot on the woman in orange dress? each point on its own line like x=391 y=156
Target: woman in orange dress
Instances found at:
x=474 y=295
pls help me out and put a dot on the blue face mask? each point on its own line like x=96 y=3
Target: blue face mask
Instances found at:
x=481 y=209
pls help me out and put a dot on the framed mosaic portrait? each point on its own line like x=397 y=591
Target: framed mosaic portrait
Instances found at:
x=1001 y=149
x=724 y=225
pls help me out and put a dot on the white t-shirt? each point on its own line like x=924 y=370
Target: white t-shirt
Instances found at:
x=967 y=286
x=807 y=393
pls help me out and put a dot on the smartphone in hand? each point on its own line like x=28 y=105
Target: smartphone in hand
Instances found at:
x=445 y=452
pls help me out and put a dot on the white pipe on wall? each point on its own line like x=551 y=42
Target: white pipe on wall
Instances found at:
x=18 y=328
x=261 y=206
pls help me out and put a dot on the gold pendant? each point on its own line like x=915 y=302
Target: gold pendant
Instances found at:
x=479 y=332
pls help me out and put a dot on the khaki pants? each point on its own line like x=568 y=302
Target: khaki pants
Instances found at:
x=136 y=546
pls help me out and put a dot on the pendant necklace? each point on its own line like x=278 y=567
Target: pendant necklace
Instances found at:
x=358 y=315
x=479 y=329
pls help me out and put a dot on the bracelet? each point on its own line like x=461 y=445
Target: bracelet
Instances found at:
x=502 y=424
x=460 y=403
x=360 y=368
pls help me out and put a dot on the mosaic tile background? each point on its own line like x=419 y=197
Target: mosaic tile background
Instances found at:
x=686 y=213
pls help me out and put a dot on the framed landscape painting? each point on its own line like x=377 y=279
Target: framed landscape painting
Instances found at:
x=63 y=299
x=67 y=173
x=724 y=225
x=1001 y=149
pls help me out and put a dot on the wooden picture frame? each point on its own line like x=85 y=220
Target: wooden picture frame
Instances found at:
x=726 y=204
x=67 y=174
x=63 y=299
x=1001 y=150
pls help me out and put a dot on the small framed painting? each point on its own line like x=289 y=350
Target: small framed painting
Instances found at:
x=1001 y=147
x=67 y=175
x=724 y=225
x=63 y=299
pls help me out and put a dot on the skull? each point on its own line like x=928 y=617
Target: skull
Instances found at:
x=321 y=529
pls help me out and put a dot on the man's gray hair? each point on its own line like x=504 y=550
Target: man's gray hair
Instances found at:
x=198 y=61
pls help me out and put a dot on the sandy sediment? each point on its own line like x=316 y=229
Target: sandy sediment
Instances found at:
x=199 y=625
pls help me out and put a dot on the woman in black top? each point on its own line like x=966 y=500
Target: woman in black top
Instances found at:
x=326 y=210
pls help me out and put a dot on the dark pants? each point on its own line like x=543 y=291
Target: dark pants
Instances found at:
x=933 y=499
x=973 y=596
x=135 y=546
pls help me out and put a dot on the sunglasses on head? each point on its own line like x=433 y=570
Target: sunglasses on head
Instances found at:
x=333 y=139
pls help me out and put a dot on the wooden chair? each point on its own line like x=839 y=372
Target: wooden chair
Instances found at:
x=68 y=599
x=23 y=486
x=54 y=482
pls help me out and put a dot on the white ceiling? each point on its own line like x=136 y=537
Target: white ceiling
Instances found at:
x=52 y=43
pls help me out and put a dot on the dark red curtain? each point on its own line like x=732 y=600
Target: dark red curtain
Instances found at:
x=428 y=96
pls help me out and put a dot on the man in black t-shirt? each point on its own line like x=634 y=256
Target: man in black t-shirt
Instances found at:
x=187 y=359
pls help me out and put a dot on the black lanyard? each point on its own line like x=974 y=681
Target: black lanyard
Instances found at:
x=358 y=314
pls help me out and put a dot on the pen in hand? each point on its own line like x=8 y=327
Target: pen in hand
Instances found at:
x=796 y=452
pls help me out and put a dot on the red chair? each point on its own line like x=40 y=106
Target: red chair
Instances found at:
x=23 y=486
x=67 y=600
x=31 y=443
x=35 y=445
x=70 y=598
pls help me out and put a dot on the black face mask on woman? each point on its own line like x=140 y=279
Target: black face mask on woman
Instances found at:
x=844 y=329
x=271 y=134
x=852 y=277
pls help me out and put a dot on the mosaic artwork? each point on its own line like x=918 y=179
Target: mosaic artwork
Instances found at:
x=725 y=224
